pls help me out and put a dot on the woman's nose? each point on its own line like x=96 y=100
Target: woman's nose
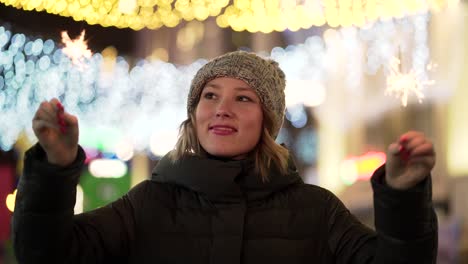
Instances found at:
x=224 y=109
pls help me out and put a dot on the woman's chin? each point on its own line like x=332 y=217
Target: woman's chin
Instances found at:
x=227 y=155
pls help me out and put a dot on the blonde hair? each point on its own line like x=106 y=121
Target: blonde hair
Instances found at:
x=265 y=152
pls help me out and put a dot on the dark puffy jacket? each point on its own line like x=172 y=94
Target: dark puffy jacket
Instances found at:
x=202 y=210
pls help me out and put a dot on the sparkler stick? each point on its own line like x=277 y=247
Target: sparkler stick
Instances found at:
x=77 y=50
x=403 y=151
x=61 y=121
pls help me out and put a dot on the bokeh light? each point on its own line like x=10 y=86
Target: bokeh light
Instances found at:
x=121 y=100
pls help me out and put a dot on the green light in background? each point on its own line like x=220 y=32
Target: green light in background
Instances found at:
x=102 y=138
x=102 y=191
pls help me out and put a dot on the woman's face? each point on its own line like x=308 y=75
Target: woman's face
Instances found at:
x=229 y=118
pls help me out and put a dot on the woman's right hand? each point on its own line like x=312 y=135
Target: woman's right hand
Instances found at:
x=57 y=132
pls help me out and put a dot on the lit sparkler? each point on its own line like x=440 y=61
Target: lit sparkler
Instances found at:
x=76 y=49
x=401 y=85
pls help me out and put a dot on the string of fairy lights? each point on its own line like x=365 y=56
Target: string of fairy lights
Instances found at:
x=251 y=15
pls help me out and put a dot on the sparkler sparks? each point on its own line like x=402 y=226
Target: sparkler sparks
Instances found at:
x=401 y=85
x=76 y=49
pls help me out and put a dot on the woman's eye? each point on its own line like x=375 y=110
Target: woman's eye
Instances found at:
x=209 y=95
x=244 y=99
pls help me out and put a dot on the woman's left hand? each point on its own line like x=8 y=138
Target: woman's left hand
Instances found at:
x=409 y=161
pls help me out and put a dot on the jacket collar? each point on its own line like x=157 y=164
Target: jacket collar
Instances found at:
x=223 y=180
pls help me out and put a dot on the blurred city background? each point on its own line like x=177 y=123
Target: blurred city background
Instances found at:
x=359 y=73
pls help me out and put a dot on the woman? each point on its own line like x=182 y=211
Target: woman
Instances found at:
x=227 y=193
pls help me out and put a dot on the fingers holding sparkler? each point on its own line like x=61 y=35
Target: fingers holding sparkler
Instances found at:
x=57 y=132
x=409 y=160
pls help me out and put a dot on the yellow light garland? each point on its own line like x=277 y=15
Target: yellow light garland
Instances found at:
x=276 y=15
x=251 y=15
x=134 y=14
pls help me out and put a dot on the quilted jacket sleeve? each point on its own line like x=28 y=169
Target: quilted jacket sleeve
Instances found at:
x=405 y=222
x=45 y=230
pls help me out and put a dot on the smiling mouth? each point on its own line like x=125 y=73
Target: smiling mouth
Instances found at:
x=222 y=130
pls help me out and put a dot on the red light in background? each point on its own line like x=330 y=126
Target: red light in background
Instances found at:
x=361 y=167
x=7 y=177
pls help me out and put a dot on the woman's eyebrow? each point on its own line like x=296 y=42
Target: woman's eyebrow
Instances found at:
x=242 y=88
x=213 y=85
x=238 y=88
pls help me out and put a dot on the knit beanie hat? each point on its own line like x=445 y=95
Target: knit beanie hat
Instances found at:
x=262 y=75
